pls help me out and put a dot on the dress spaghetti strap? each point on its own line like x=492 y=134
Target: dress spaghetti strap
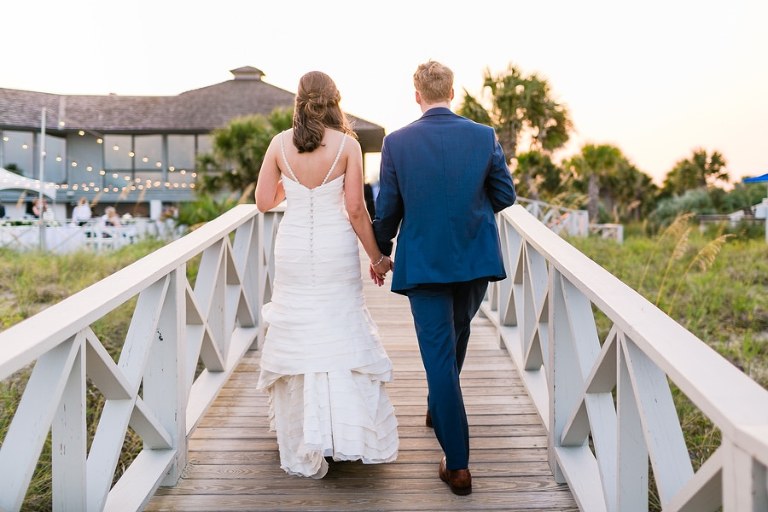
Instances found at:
x=335 y=160
x=285 y=159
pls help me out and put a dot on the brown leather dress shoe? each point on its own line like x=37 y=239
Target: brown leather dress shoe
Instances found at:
x=459 y=480
x=428 y=420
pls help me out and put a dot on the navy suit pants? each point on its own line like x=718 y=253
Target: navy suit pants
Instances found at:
x=442 y=314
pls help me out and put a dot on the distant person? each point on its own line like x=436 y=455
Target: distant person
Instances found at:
x=39 y=207
x=110 y=218
x=370 y=203
x=2 y=211
x=82 y=213
x=443 y=178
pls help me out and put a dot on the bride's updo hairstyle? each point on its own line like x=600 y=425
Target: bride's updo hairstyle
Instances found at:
x=317 y=108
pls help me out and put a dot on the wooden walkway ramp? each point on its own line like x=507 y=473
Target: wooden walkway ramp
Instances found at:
x=234 y=464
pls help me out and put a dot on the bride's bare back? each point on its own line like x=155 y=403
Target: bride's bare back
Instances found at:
x=326 y=163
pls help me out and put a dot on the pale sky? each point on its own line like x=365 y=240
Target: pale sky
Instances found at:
x=657 y=78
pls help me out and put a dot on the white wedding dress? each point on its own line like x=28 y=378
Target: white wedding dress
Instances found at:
x=322 y=363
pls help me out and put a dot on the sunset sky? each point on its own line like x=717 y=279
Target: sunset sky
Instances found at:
x=656 y=78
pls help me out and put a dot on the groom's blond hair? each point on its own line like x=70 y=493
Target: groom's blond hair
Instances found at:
x=434 y=81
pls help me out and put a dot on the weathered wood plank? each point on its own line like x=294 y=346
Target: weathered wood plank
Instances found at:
x=233 y=462
x=426 y=456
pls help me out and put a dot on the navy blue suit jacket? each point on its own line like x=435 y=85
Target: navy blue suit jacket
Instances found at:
x=443 y=177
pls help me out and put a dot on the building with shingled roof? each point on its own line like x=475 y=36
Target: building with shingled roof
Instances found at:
x=129 y=151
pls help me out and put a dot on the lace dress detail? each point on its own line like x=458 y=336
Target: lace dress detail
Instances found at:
x=322 y=363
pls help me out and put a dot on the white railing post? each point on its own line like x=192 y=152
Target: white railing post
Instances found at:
x=744 y=481
x=68 y=438
x=245 y=252
x=165 y=392
x=632 y=454
x=560 y=367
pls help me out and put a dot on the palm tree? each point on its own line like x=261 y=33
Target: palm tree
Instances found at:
x=631 y=193
x=516 y=105
x=699 y=171
x=593 y=164
x=546 y=177
x=238 y=152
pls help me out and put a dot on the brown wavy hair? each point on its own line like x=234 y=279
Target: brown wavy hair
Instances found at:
x=317 y=108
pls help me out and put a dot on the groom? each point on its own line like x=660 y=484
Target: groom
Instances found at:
x=443 y=177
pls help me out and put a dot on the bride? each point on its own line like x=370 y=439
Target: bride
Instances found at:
x=323 y=364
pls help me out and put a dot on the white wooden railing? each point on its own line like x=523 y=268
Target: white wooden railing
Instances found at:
x=153 y=388
x=607 y=402
x=610 y=231
x=69 y=237
x=557 y=218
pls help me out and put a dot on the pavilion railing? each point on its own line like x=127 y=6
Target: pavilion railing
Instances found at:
x=606 y=399
x=183 y=342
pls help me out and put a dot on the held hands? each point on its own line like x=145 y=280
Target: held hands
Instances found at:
x=380 y=268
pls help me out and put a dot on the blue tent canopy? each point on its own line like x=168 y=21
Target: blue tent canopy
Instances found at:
x=757 y=179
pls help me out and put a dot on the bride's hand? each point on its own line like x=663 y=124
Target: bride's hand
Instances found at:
x=375 y=276
x=380 y=268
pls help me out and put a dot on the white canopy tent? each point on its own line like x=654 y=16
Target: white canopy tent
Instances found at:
x=12 y=181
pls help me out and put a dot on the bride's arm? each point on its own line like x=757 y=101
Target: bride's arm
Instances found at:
x=269 y=187
x=355 y=203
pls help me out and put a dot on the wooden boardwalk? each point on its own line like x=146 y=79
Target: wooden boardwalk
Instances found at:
x=234 y=463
